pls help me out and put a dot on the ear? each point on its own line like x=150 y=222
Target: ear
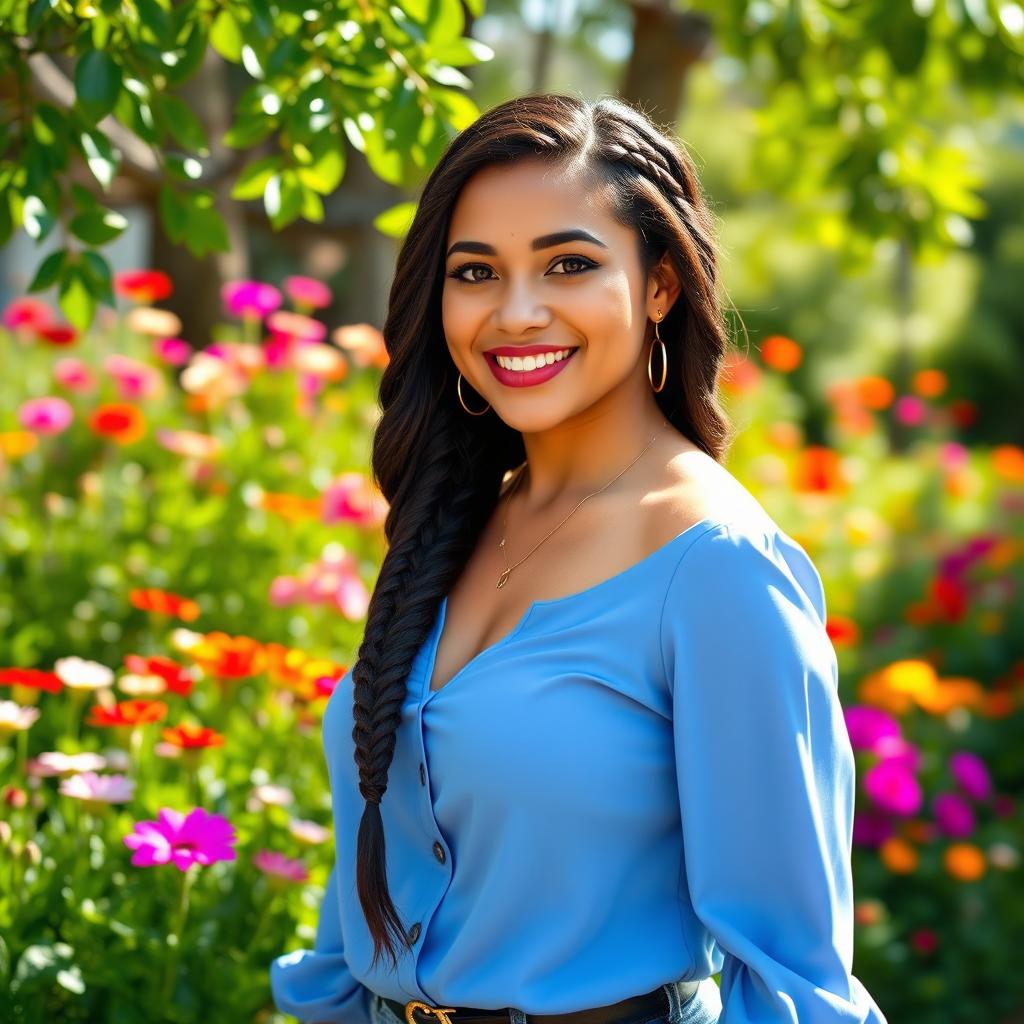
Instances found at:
x=663 y=287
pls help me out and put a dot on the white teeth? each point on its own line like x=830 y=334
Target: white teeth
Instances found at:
x=532 y=362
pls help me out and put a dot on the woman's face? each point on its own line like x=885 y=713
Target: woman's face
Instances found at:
x=535 y=263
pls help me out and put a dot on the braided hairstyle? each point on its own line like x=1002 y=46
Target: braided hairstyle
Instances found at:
x=441 y=470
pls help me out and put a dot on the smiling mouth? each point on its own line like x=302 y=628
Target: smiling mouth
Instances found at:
x=524 y=364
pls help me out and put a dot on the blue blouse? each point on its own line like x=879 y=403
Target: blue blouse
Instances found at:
x=645 y=781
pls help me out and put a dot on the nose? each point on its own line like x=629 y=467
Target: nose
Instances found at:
x=520 y=309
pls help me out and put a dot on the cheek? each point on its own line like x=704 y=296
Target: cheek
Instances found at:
x=457 y=317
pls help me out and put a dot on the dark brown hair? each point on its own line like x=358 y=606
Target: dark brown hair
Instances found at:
x=440 y=469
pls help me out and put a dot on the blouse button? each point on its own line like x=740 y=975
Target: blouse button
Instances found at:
x=439 y=852
x=414 y=932
x=423 y=775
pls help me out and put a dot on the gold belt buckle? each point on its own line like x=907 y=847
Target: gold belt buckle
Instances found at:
x=441 y=1012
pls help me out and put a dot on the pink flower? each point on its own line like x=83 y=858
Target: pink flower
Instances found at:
x=271 y=863
x=953 y=456
x=134 y=380
x=867 y=725
x=74 y=375
x=250 y=298
x=47 y=415
x=184 y=840
x=296 y=326
x=189 y=443
x=27 y=312
x=971 y=775
x=173 y=351
x=309 y=832
x=892 y=787
x=909 y=410
x=896 y=748
x=307 y=292
x=93 y=788
x=285 y=591
x=953 y=814
x=352 y=499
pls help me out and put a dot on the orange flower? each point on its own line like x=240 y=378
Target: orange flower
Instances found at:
x=781 y=353
x=128 y=713
x=229 y=657
x=1008 y=462
x=964 y=862
x=163 y=602
x=868 y=912
x=298 y=671
x=899 y=856
x=192 y=737
x=951 y=693
x=739 y=375
x=364 y=343
x=819 y=469
x=929 y=383
x=999 y=705
x=784 y=434
x=119 y=421
x=291 y=506
x=874 y=392
x=16 y=443
x=898 y=686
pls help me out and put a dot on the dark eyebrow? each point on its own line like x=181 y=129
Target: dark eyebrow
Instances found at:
x=544 y=242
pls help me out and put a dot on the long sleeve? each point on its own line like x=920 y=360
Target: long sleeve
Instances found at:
x=316 y=985
x=766 y=779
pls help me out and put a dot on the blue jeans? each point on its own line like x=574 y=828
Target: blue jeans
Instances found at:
x=703 y=1007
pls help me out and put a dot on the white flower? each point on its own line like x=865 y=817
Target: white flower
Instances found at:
x=79 y=674
x=308 y=832
x=15 y=718
x=140 y=685
x=55 y=763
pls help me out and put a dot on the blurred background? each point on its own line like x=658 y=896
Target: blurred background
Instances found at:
x=200 y=208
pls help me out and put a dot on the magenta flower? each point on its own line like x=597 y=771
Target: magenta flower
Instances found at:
x=892 y=787
x=871 y=828
x=74 y=375
x=271 y=863
x=250 y=298
x=953 y=814
x=896 y=748
x=971 y=775
x=47 y=415
x=867 y=725
x=27 y=312
x=184 y=840
x=351 y=499
x=953 y=456
x=909 y=410
x=100 y=789
x=134 y=379
x=307 y=292
x=173 y=351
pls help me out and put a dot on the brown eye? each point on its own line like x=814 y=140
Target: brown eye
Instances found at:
x=584 y=263
x=457 y=273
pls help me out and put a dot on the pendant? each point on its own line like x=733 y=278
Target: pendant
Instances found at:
x=503 y=578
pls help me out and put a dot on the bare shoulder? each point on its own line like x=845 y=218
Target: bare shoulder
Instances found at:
x=689 y=486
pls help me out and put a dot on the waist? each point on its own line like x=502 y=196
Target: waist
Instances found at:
x=632 y=1010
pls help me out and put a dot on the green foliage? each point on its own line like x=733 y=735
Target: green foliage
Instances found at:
x=383 y=77
x=867 y=113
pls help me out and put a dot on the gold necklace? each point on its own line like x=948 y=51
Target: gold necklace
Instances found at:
x=503 y=578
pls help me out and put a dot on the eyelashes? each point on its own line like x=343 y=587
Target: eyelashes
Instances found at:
x=457 y=273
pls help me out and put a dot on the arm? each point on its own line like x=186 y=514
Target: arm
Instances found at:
x=316 y=985
x=766 y=778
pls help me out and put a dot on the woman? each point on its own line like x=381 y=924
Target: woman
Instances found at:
x=591 y=752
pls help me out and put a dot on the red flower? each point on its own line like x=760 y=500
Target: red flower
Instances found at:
x=128 y=713
x=119 y=421
x=145 y=286
x=57 y=334
x=192 y=737
x=176 y=677
x=163 y=602
x=34 y=678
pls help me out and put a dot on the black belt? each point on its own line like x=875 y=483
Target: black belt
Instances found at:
x=633 y=1010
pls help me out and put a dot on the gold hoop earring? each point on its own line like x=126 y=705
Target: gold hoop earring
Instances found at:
x=664 y=358
x=458 y=388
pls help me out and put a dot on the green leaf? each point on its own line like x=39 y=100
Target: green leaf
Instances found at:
x=49 y=271
x=254 y=177
x=185 y=128
x=37 y=220
x=97 y=83
x=226 y=37
x=97 y=227
x=173 y=213
x=283 y=199
x=325 y=173
x=75 y=298
x=396 y=220
x=96 y=269
x=206 y=230
x=100 y=156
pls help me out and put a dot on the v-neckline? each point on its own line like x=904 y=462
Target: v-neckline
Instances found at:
x=435 y=641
